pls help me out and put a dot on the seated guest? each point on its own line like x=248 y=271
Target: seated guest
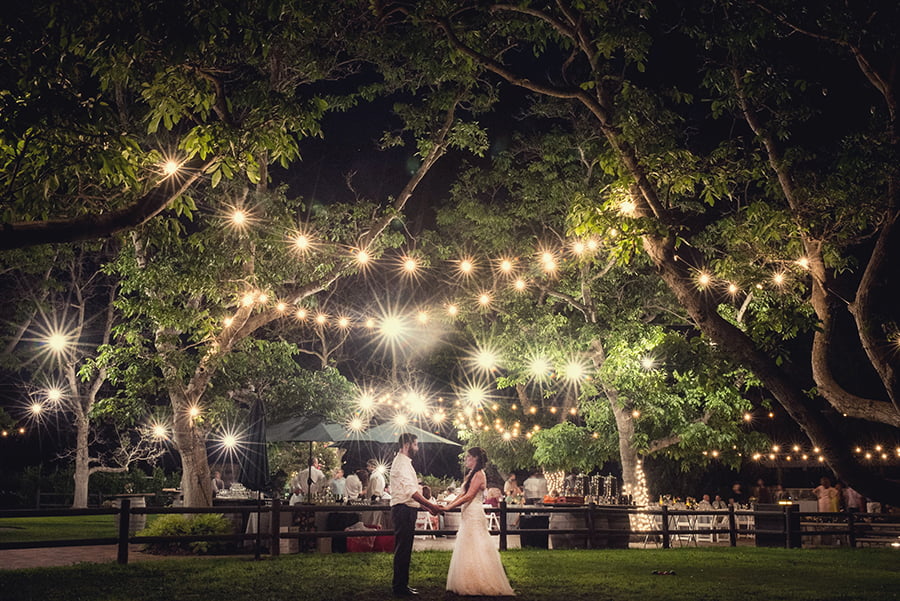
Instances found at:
x=705 y=504
x=492 y=497
x=718 y=503
x=511 y=487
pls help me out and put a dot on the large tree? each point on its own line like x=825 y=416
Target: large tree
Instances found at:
x=580 y=333
x=736 y=130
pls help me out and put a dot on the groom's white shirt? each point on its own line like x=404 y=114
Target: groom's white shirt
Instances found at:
x=404 y=483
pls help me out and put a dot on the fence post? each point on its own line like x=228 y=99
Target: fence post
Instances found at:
x=851 y=527
x=502 y=516
x=124 y=519
x=276 y=528
x=665 y=527
x=732 y=527
x=787 y=527
x=590 y=525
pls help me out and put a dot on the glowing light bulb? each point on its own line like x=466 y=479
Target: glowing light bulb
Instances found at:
x=228 y=321
x=301 y=313
x=281 y=307
x=647 y=362
x=732 y=289
x=54 y=395
x=803 y=262
x=302 y=242
x=748 y=417
x=410 y=265
x=356 y=424
x=452 y=310
x=627 y=208
x=422 y=317
x=343 y=322
x=239 y=217
x=170 y=167
x=636 y=413
x=159 y=431
x=704 y=279
x=466 y=266
x=36 y=408
x=578 y=247
x=229 y=441
x=363 y=257
x=262 y=298
x=592 y=245
x=370 y=323
x=57 y=342
x=248 y=299
x=778 y=278
x=321 y=319
x=484 y=299
x=506 y=265
x=194 y=411
x=519 y=284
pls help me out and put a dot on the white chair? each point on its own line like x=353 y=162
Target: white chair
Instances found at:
x=424 y=522
x=493 y=522
x=705 y=522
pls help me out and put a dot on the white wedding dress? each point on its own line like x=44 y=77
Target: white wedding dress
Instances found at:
x=475 y=567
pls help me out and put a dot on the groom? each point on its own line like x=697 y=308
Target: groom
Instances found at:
x=406 y=499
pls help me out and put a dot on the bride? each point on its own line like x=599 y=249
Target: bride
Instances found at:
x=475 y=567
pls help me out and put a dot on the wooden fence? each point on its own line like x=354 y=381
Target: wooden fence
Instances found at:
x=663 y=526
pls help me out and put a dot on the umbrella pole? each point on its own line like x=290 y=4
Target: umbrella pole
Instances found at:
x=309 y=475
x=256 y=554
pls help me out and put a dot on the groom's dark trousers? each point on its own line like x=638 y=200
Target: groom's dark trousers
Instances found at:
x=404 y=519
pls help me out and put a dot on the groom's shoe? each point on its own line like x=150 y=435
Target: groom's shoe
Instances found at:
x=405 y=592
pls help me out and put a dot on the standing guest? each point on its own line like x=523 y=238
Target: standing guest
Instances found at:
x=839 y=489
x=737 y=495
x=406 y=499
x=217 y=483
x=779 y=494
x=354 y=485
x=535 y=487
x=307 y=482
x=762 y=492
x=338 y=484
x=375 y=488
x=827 y=495
x=854 y=501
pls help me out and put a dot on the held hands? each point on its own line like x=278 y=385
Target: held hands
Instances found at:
x=435 y=509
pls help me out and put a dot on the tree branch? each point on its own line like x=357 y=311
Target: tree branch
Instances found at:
x=86 y=227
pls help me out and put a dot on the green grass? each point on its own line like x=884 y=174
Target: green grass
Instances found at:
x=708 y=574
x=60 y=528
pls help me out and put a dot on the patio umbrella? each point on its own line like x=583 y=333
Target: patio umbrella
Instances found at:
x=255 y=460
x=389 y=433
x=307 y=428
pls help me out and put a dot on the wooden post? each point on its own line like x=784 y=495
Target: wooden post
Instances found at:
x=665 y=527
x=787 y=526
x=502 y=516
x=851 y=527
x=732 y=527
x=276 y=528
x=590 y=525
x=124 y=519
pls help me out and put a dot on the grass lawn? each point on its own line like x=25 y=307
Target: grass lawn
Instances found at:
x=727 y=574
x=60 y=528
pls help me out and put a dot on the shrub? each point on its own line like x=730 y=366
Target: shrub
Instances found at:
x=188 y=525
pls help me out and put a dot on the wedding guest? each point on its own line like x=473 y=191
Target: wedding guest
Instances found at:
x=535 y=487
x=217 y=483
x=338 y=484
x=827 y=495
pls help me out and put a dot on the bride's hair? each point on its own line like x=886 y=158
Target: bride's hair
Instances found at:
x=480 y=461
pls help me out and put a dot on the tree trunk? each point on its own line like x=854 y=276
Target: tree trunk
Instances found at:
x=82 y=462
x=196 y=481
